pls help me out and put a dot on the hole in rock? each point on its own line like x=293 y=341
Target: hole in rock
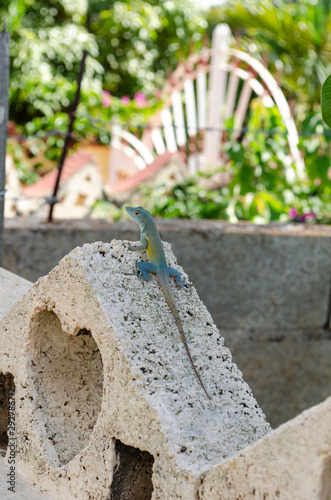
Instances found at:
x=7 y=407
x=133 y=475
x=326 y=480
x=67 y=373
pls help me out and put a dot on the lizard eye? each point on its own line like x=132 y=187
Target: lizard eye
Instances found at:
x=136 y=212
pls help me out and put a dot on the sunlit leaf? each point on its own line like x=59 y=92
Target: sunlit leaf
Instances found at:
x=326 y=101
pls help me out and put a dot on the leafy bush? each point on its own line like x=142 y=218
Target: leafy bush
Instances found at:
x=259 y=189
x=326 y=101
x=296 y=36
x=131 y=45
x=140 y=41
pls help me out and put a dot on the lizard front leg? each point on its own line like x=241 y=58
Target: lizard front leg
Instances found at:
x=142 y=246
x=145 y=268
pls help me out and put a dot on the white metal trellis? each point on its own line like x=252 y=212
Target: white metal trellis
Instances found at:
x=200 y=96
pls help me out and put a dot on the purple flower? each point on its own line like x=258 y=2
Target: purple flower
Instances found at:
x=140 y=99
x=125 y=100
x=106 y=99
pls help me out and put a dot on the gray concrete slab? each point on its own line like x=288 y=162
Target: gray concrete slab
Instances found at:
x=286 y=375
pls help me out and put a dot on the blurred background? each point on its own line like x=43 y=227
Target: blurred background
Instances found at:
x=133 y=48
x=153 y=106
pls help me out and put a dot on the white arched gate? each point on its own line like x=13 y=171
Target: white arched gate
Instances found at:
x=200 y=96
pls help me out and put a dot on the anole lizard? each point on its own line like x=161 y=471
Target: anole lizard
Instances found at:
x=151 y=242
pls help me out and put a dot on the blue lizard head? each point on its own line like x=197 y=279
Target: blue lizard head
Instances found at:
x=140 y=215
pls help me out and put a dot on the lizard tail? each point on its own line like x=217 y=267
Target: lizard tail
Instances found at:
x=181 y=331
x=179 y=325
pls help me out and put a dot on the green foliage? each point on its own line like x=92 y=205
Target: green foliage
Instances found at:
x=187 y=200
x=27 y=173
x=295 y=35
x=258 y=166
x=326 y=101
x=130 y=45
x=258 y=189
x=317 y=150
x=103 y=209
x=47 y=43
x=139 y=41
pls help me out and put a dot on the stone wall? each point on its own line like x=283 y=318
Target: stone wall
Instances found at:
x=267 y=288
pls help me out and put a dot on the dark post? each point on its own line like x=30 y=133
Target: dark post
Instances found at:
x=4 y=82
x=53 y=200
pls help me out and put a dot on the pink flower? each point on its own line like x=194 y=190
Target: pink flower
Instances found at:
x=125 y=100
x=293 y=213
x=106 y=99
x=310 y=216
x=140 y=99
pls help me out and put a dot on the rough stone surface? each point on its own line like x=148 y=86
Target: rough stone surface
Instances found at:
x=24 y=490
x=12 y=289
x=293 y=462
x=96 y=358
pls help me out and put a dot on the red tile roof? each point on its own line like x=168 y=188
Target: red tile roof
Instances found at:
x=141 y=176
x=71 y=165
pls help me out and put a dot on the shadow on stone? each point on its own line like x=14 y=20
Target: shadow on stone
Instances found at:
x=326 y=481
x=133 y=476
x=7 y=388
x=67 y=373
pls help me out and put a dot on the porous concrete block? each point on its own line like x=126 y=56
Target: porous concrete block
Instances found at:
x=103 y=382
x=12 y=289
x=292 y=462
